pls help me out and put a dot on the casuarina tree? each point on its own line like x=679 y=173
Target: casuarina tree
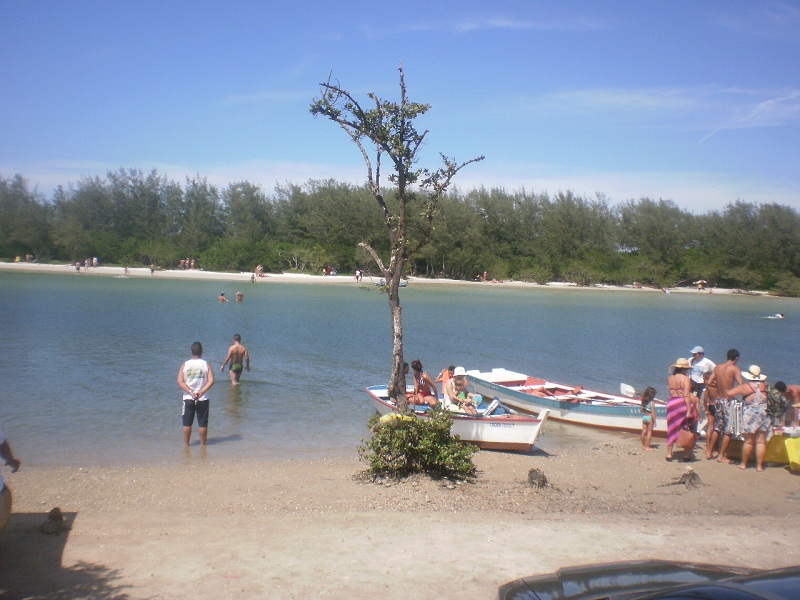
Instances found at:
x=385 y=130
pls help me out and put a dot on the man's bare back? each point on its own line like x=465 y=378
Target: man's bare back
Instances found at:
x=728 y=374
x=238 y=357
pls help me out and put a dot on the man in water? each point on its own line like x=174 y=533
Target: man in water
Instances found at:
x=726 y=376
x=195 y=378
x=221 y=298
x=237 y=355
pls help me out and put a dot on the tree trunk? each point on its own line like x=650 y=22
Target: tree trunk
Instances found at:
x=397 y=385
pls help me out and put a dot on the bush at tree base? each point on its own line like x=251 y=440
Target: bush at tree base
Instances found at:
x=401 y=447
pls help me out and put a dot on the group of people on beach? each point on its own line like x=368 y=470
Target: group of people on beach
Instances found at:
x=196 y=377
x=698 y=386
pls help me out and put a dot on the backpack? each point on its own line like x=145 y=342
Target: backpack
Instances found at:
x=777 y=404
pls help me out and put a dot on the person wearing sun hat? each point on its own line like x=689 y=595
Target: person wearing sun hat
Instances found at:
x=756 y=422
x=680 y=408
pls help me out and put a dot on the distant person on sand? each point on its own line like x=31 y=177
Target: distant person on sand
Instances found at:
x=152 y=269
x=239 y=359
x=221 y=298
x=195 y=378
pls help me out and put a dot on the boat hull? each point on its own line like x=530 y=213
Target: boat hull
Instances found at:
x=567 y=405
x=492 y=432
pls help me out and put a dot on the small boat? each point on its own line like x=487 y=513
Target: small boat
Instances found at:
x=566 y=403
x=382 y=283
x=495 y=427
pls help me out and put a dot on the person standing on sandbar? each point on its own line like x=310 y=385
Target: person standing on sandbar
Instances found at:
x=195 y=378
x=239 y=359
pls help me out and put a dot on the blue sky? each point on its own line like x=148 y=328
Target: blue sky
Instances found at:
x=695 y=102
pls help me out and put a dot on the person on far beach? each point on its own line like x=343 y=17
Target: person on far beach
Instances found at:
x=195 y=378
x=425 y=391
x=239 y=359
x=648 y=416
x=152 y=269
x=221 y=298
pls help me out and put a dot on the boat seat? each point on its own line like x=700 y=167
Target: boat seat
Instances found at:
x=492 y=407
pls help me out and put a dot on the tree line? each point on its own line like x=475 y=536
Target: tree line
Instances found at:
x=131 y=218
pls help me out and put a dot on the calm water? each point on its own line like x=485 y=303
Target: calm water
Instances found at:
x=88 y=363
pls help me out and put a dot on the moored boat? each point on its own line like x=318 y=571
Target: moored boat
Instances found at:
x=493 y=428
x=566 y=403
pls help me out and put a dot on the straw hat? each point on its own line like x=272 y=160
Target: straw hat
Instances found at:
x=754 y=373
x=681 y=363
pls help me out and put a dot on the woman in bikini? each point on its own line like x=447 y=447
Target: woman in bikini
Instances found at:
x=756 y=422
x=679 y=407
x=425 y=391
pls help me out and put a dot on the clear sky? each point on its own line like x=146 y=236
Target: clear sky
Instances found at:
x=692 y=101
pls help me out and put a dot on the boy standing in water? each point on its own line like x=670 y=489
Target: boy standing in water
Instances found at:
x=195 y=378
x=237 y=355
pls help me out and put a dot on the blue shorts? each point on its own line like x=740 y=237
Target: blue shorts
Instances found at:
x=192 y=408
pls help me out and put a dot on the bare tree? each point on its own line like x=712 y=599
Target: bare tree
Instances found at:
x=387 y=130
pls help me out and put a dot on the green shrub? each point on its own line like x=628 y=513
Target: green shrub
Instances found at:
x=407 y=445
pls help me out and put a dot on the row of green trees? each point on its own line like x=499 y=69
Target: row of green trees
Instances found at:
x=130 y=218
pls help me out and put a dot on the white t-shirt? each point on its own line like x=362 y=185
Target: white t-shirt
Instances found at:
x=195 y=374
x=700 y=368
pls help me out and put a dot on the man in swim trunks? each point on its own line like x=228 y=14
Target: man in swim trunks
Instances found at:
x=726 y=376
x=237 y=355
x=195 y=378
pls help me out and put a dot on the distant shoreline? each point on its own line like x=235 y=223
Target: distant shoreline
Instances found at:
x=138 y=272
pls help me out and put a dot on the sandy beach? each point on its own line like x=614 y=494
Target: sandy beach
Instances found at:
x=245 y=277
x=202 y=528
x=314 y=528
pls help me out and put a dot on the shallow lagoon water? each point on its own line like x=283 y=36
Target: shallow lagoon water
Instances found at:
x=88 y=363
